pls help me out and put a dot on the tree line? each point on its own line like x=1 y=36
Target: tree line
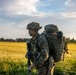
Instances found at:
x=14 y=40
x=69 y=40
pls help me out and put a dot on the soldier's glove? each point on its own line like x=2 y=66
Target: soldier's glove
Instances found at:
x=31 y=67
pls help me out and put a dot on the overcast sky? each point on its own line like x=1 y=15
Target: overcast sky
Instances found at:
x=16 y=14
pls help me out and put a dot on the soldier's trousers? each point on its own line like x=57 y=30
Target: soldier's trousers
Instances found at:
x=43 y=70
x=47 y=69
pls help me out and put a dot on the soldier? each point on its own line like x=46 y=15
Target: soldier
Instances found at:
x=65 y=44
x=65 y=47
x=39 y=50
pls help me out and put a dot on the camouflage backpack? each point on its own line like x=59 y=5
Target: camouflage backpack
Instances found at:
x=55 y=41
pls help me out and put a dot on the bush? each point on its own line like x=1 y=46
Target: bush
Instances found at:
x=67 y=67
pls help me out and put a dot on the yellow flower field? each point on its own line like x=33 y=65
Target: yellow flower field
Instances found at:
x=72 y=50
x=12 y=58
x=14 y=50
x=17 y=50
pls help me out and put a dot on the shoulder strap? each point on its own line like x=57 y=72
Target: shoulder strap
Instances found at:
x=48 y=41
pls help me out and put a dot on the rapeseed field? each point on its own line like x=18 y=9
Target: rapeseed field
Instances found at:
x=13 y=61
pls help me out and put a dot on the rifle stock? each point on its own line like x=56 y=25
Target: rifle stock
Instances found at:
x=37 y=55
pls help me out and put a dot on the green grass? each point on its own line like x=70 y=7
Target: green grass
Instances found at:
x=67 y=67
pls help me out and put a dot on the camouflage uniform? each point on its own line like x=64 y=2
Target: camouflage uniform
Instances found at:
x=40 y=54
x=39 y=51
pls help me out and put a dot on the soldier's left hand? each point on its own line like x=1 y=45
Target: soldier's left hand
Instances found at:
x=32 y=66
x=29 y=68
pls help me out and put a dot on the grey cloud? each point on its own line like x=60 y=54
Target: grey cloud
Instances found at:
x=17 y=7
x=5 y=3
x=66 y=25
x=15 y=26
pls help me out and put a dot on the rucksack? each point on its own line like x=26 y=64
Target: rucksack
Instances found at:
x=55 y=41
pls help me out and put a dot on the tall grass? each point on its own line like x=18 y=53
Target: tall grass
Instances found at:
x=12 y=58
x=13 y=61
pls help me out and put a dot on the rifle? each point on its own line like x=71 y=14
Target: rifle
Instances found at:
x=29 y=56
x=37 y=55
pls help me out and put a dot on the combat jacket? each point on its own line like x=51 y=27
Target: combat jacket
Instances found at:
x=39 y=50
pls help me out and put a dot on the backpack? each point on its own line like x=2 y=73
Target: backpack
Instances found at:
x=55 y=41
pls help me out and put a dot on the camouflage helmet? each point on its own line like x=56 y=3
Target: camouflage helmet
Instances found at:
x=50 y=28
x=34 y=25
